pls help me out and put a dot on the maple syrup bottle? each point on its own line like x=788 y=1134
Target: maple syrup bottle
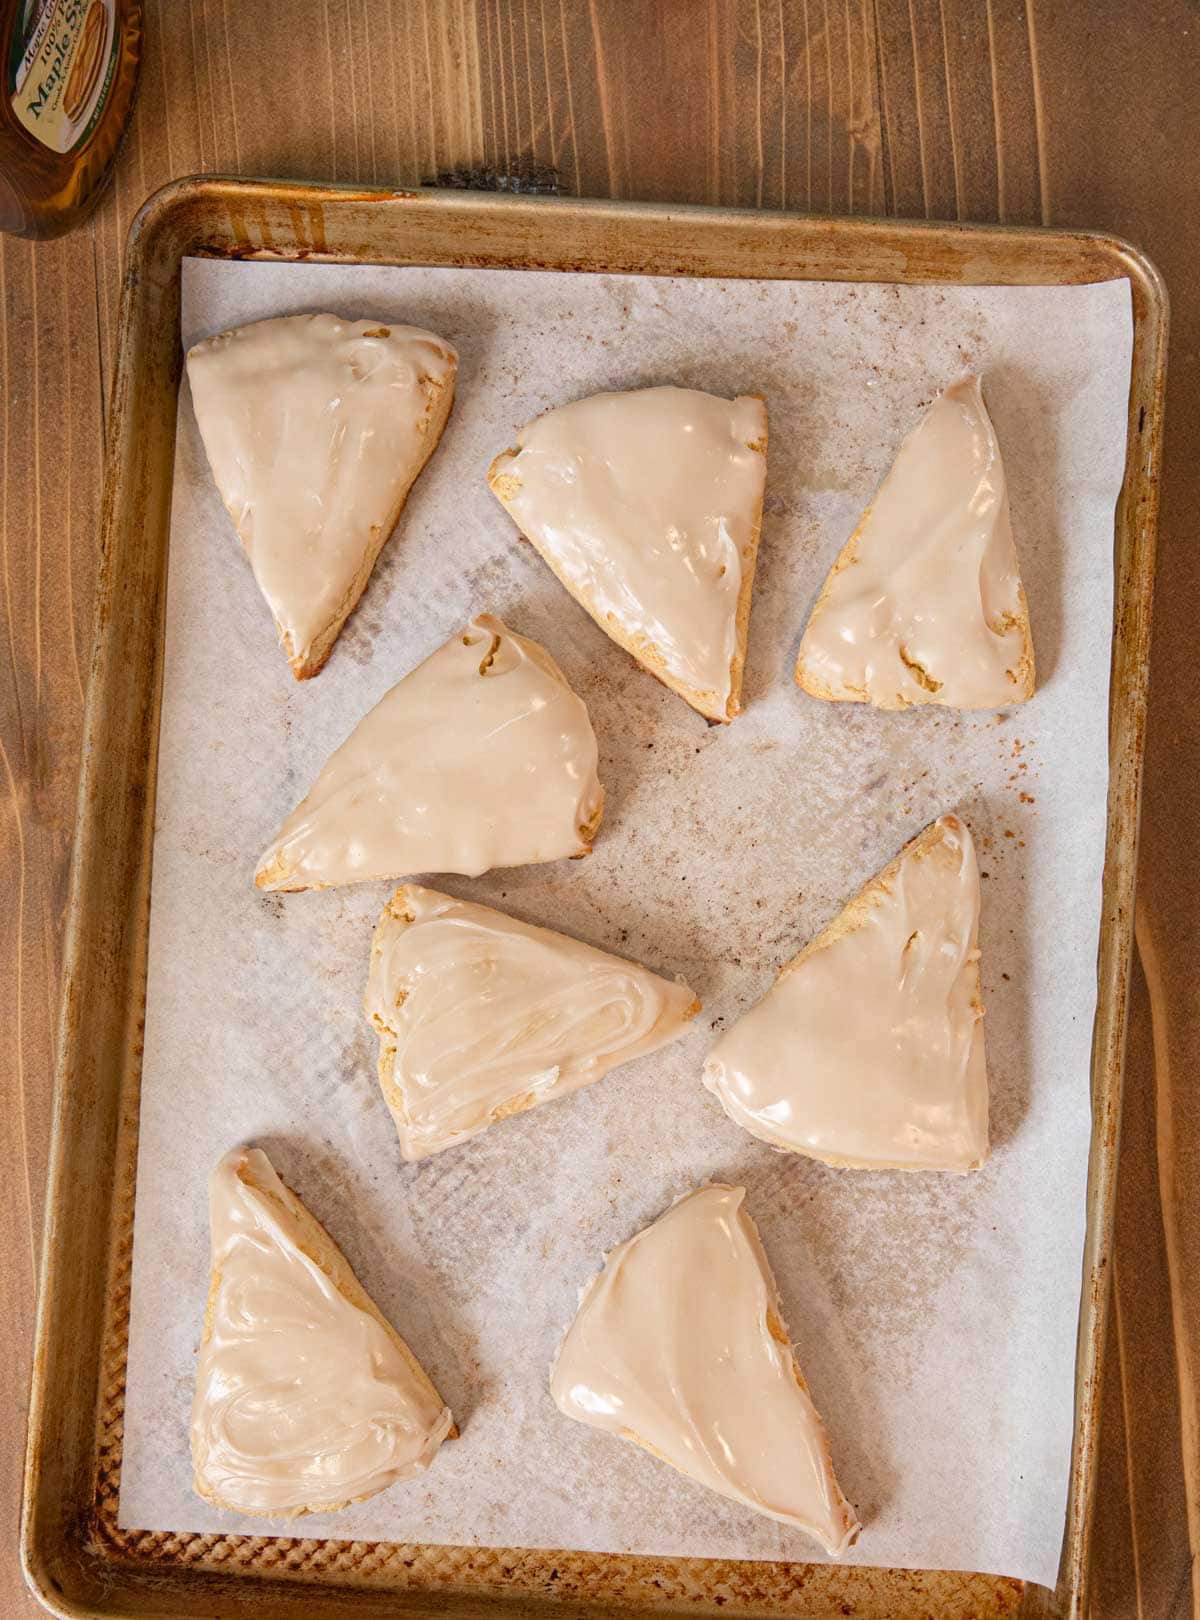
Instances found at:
x=69 y=72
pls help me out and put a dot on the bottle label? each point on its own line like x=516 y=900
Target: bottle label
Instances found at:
x=61 y=63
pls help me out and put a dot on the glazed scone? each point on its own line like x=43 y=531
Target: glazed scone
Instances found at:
x=679 y=1345
x=867 y=1051
x=482 y=756
x=306 y=1398
x=925 y=603
x=316 y=429
x=480 y=1016
x=647 y=505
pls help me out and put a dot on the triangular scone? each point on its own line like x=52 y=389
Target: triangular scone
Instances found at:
x=306 y=1398
x=679 y=1345
x=925 y=603
x=647 y=505
x=868 y=1049
x=316 y=429
x=482 y=756
x=480 y=1016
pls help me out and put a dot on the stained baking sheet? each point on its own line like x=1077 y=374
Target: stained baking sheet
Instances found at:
x=935 y=1317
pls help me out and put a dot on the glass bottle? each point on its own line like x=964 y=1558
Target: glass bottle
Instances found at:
x=69 y=72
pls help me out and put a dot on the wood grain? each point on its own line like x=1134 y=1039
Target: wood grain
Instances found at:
x=1128 y=157
x=50 y=461
x=1081 y=111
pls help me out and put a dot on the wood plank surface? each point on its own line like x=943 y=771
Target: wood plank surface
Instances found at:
x=1062 y=111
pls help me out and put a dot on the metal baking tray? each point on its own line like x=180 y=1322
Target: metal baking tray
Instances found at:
x=76 y=1557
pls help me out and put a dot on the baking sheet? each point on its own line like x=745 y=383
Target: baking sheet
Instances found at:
x=934 y=1316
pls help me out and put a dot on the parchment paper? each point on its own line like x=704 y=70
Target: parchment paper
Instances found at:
x=934 y=1315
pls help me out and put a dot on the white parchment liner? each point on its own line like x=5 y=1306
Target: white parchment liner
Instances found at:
x=935 y=1316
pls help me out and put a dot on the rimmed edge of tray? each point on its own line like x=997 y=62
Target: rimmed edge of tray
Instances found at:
x=76 y=1558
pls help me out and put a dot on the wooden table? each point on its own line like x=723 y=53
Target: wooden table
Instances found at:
x=1071 y=112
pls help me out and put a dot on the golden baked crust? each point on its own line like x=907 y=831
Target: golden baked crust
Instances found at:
x=851 y=917
x=1023 y=676
x=316 y=1244
x=505 y=485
